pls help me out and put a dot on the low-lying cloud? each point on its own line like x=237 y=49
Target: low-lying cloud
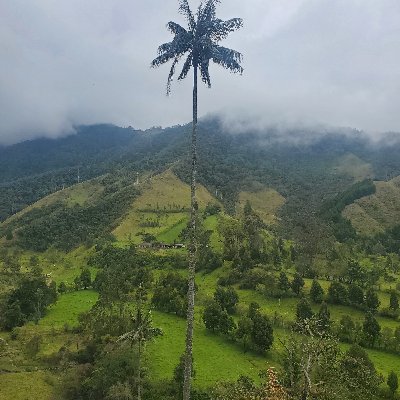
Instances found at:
x=306 y=62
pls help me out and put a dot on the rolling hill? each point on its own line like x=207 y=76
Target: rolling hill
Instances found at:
x=377 y=212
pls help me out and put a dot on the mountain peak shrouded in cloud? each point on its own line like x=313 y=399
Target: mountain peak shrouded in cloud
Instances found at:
x=66 y=63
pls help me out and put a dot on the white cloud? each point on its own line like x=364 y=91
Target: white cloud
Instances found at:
x=67 y=62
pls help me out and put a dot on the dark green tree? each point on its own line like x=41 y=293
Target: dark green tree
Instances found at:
x=346 y=329
x=227 y=298
x=262 y=335
x=303 y=311
x=179 y=374
x=371 y=300
x=337 y=293
x=170 y=294
x=13 y=316
x=243 y=332
x=33 y=345
x=248 y=210
x=297 y=283
x=394 y=301
x=86 y=278
x=62 y=288
x=359 y=374
x=253 y=309
x=283 y=283
x=216 y=319
x=371 y=329
x=142 y=332
x=29 y=300
x=392 y=382
x=355 y=272
x=200 y=45
x=316 y=292
x=356 y=295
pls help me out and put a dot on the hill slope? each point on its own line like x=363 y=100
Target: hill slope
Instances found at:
x=160 y=210
x=378 y=212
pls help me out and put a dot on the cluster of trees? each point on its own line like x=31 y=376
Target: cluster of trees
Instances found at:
x=314 y=367
x=67 y=227
x=353 y=295
x=388 y=241
x=253 y=330
x=120 y=271
x=170 y=294
x=28 y=301
x=369 y=333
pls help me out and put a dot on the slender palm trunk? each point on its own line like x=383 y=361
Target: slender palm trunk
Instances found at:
x=192 y=252
x=139 y=376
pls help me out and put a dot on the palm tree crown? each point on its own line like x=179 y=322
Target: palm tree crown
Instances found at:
x=199 y=43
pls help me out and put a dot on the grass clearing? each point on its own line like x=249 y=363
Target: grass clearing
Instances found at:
x=215 y=358
x=162 y=198
x=67 y=309
x=35 y=385
x=211 y=224
x=265 y=203
x=171 y=234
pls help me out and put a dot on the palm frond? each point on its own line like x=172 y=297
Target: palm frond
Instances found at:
x=171 y=74
x=209 y=10
x=185 y=10
x=163 y=58
x=204 y=72
x=221 y=29
x=227 y=58
x=167 y=51
x=175 y=28
x=186 y=67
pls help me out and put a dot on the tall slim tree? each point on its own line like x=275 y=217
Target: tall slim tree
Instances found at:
x=199 y=44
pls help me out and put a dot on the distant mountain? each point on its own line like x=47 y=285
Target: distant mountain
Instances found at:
x=306 y=168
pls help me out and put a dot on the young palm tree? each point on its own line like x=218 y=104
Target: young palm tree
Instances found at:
x=199 y=45
x=142 y=332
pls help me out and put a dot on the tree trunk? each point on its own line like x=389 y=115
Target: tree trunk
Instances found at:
x=139 y=376
x=192 y=252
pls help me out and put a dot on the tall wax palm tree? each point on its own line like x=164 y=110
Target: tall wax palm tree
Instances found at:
x=199 y=45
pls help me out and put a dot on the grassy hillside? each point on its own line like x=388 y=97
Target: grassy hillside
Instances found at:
x=378 y=212
x=164 y=202
x=265 y=203
x=81 y=193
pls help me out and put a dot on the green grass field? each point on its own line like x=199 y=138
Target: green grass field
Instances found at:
x=26 y=386
x=215 y=358
x=171 y=233
x=211 y=224
x=67 y=309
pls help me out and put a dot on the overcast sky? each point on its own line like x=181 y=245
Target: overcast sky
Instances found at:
x=66 y=62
